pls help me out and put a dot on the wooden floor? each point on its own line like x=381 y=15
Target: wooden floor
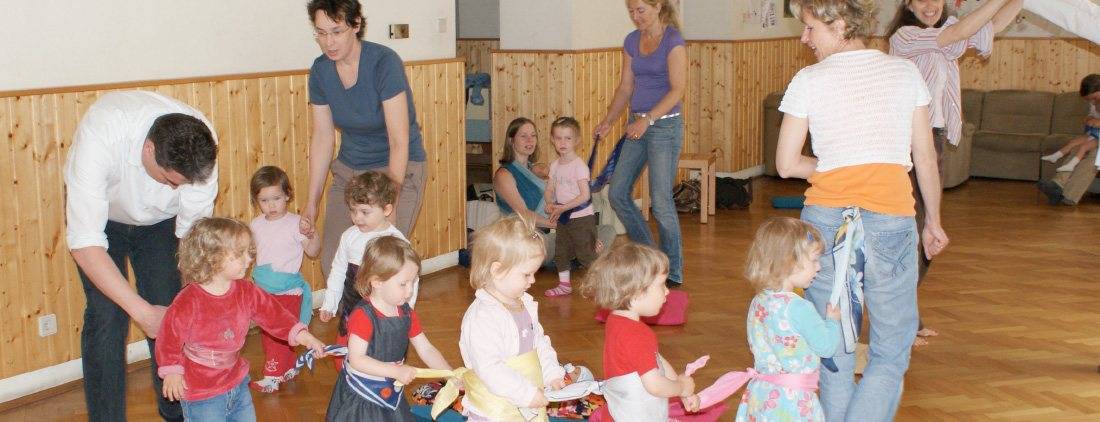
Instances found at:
x=1014 y=297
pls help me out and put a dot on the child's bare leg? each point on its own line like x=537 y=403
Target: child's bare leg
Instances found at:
x=1087 y=146
x=1073 y=143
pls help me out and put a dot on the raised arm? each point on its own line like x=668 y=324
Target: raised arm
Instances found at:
x=972 y=23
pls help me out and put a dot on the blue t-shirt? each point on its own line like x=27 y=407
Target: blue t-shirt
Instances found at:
x=357 y=111
x=651 y=71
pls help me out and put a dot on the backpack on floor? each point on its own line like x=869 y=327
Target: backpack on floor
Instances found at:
x=686 y=196
x=732 y=194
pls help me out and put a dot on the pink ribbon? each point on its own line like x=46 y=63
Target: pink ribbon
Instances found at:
x=732 y=381
x=210 y=358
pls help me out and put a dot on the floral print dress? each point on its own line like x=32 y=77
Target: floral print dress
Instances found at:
x=787 y=336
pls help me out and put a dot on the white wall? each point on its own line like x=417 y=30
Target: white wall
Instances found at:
x=600 y=23
x=536 y=25
x=478 y=19
x=53 y=43
x=709 y=19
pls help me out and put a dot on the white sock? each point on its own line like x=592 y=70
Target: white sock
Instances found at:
x=1070 y=165
x=563 y=277
x=1053 y=158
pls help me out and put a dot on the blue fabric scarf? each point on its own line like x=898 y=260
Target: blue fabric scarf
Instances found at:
x=530 y=188
x=275 y=282
x=848 y=262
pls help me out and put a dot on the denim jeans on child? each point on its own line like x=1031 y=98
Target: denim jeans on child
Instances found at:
x=890 y=292
x=152 y=253
x=231 y=406
x=660 y=148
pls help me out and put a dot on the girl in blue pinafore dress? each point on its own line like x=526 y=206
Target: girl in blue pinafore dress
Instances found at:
x=786 y=334
x=381 y=328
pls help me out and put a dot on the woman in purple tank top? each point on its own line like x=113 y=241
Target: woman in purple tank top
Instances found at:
x=653 y=83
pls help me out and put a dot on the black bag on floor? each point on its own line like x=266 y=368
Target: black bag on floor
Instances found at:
x=731 y=193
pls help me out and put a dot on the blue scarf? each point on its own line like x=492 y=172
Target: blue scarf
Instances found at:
x=847 y=294
x=530 y=188
x=275 y=282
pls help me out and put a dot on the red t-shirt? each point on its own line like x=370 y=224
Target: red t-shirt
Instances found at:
x=359 y=324
x=630 y=346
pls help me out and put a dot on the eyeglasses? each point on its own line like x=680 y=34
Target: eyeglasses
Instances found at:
x=318 y=34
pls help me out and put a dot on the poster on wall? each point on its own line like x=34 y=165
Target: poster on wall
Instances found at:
x=762 y=12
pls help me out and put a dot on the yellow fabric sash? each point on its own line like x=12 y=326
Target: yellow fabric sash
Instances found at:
x=493 y=406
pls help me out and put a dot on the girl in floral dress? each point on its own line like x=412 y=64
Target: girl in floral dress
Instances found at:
x=786 y=334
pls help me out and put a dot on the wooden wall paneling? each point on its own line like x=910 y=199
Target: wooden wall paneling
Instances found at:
x=477 y=53
x=13 y=358
x=68 y=279
x=51 y=228
x=255 y=142
x=427 y=213
x=27 y=233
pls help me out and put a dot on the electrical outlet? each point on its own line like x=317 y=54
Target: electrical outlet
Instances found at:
x=47 y=325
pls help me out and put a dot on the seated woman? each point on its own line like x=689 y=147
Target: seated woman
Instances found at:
x=520 y=191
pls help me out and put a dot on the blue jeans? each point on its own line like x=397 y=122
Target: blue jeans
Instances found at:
x=890 y=293
x=152 y=253
x=660 y=149
x=231 y=406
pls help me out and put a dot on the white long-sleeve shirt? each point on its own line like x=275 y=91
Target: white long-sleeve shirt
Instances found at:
x=352 y=244
x=105 y=179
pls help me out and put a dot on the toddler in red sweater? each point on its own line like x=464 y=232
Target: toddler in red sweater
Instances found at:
x=199 y=342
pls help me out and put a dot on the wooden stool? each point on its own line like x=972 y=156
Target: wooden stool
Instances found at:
x=704 y=162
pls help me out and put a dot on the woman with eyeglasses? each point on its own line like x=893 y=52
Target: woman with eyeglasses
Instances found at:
x=358 y=87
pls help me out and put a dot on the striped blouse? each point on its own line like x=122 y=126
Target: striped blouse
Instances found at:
x=940 y=68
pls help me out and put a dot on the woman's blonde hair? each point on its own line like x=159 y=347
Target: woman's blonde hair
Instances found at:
x=382 y=259
x=508 y=241
x=210 y=241
x=670 y=14
x=623 y=273
x=780 y=245
x=860 y=16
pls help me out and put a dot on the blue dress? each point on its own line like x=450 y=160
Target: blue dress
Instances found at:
x=786 y=336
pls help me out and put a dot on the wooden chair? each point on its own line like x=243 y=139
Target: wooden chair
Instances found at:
x=704 y=163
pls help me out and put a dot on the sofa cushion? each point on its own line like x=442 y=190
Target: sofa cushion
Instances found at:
x=1069 y=114
x=972 y=106
x=1017 y=111
x=1008 y=142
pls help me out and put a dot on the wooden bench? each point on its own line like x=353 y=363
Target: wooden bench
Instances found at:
x=704 y=163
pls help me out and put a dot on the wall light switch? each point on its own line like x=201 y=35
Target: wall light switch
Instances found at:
x=441 y=25
x=47 y=325
x=399 y=31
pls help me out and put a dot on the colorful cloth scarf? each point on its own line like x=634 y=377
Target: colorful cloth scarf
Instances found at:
x=848 y=262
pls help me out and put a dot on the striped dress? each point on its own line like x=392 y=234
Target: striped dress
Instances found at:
x=940 y=68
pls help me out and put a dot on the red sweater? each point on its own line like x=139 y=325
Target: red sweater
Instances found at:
x=220 y=324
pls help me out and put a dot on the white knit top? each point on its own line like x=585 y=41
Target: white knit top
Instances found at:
x=860 y=108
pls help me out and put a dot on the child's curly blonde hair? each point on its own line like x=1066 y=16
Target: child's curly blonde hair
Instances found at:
x=623 y=273
x=780 y=246
x=210 y=241
x=508 y=241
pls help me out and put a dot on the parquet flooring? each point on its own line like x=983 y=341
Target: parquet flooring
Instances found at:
x=1014 y=298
